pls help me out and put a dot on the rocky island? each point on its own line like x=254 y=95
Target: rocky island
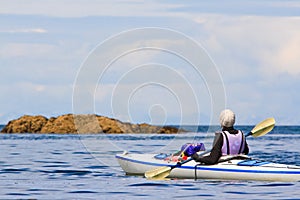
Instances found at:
x=81 y=124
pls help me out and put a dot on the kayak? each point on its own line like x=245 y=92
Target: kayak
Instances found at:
x=240 y=167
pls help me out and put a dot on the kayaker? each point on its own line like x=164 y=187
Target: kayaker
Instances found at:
x=227 y=142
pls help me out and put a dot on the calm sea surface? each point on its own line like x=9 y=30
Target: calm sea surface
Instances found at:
x=34 y=166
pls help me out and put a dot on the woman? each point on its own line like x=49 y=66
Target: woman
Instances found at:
x=227 y=142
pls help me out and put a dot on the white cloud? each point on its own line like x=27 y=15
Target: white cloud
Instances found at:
x=28 y=30
x=28 y=97
x=285 y=4
x=135 y=101
x=271 y=43
x=80 y=8
x=286 y=59
x=258 y=57
x=32 y=50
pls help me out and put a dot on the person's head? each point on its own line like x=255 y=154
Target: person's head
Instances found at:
x=227 y=118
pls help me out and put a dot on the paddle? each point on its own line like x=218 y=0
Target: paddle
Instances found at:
x=259 y=130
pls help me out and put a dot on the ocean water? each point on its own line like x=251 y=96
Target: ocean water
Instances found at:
x=49 y=166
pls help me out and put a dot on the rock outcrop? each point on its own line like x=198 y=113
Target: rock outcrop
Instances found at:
x=82 y=124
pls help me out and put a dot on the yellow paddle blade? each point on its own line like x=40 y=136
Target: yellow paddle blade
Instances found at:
x=263 y=127
x=158 y=173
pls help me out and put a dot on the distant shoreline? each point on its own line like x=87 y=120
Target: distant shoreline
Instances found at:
x=81 y=124
x=113 y=126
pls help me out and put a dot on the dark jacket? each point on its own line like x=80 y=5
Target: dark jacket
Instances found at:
x=216 y=151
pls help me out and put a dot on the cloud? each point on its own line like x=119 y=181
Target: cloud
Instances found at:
x=29 y=30
x=135 y=101
x=285 y=4
x=34 y=98
x=32 y=50
x=81 y=8
x=247 y=42
x=258 y=57
x=286 y=59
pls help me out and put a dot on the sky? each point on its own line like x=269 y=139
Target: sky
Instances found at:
x=159 y=62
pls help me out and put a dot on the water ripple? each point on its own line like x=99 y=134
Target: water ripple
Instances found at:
x=67 y=172
x=274 y=185
x=149 y=184
x=83 y=192
x=17 y=194
x=14 y=170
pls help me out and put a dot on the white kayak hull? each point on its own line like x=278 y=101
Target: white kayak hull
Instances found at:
x=235 y=169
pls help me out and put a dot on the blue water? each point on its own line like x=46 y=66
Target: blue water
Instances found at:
x=48 y=166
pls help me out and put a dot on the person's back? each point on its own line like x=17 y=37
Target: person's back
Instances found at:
x=227 y=142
